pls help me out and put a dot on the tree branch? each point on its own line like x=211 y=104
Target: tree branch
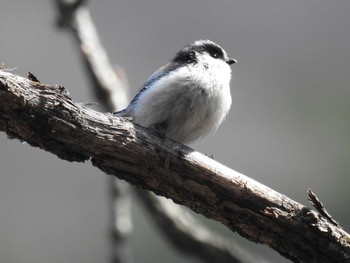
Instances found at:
x=46 y=117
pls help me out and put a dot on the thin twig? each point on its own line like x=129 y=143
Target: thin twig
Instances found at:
x=317 y=204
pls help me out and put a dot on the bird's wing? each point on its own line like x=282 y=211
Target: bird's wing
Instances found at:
x=162 y=71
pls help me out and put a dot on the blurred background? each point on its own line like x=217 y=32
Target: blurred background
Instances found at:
x=288 y=127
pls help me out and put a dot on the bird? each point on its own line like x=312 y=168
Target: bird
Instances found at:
x=189 y=97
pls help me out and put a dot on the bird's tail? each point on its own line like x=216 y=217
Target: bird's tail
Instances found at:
x=121 y=113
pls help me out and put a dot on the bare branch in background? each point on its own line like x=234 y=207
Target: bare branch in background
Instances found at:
x=45 y=117
x=189 y=236
x=111 y=87
x=111 y=91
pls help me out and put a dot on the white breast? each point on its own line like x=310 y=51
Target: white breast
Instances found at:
x=192 y=101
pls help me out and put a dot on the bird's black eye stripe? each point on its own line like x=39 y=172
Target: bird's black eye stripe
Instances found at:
x=214 y=51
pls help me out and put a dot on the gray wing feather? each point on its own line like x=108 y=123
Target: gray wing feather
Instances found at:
x=162 y=71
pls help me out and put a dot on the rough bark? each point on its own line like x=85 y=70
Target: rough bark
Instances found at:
x=45 y=117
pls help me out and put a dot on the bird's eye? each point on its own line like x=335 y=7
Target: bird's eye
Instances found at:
x=214 y=54
x=214 y=51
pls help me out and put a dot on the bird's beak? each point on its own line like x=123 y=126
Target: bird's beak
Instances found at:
x=231 y=61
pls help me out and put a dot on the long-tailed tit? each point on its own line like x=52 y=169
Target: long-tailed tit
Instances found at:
x=187 y=98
